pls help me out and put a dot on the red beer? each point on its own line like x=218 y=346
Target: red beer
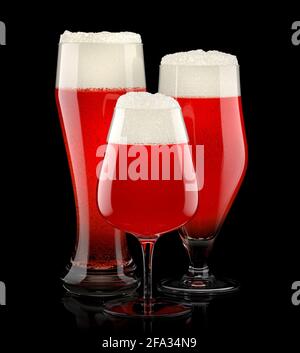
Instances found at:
x=85 y=116
x=216 y=123
x=148 y=203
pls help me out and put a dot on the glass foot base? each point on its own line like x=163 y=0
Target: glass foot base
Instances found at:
x=83 y=281
x=198 y=287
x=138 y=309
x=104 y=286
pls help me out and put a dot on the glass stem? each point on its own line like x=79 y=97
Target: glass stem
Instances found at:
x=198 y=251
x=147 y=249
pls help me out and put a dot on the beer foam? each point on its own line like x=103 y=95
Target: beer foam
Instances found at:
x=102 y=60
x=100 y=37
x=200 y=57
x=145 y=118
x=145 y=100
x=198 y=73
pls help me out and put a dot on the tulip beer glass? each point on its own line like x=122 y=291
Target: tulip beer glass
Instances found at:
x=206 y=85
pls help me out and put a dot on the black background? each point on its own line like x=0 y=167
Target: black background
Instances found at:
x=259 y=242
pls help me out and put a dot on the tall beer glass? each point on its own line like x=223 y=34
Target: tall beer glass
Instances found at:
x=207 y=87
x=94 y=69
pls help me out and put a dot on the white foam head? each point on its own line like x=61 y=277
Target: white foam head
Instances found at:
x=145 y=118
x=100 y=60
x=100 y=37
x=145 y=100
x=198 y=73
x=199 y=57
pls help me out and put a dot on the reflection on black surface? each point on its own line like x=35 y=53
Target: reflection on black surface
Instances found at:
x=250 y=319
x=210 y=321
x=89 y=314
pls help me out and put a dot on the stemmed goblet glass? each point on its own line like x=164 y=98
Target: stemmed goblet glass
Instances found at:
x=147 y=184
